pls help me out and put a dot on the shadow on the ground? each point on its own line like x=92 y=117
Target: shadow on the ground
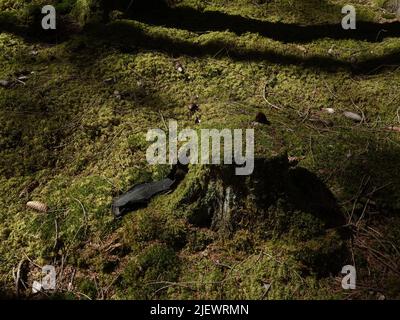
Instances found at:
x=157 y=12
x=373 y=175
x=127 y=37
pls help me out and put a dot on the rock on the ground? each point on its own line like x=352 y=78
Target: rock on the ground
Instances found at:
x=4 y=83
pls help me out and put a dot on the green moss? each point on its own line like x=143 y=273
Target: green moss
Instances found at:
x=137 y=142
x=244 y=241
x=323 y=256
x=150 y=225
x=199 y=239
x=147 y=274
x=88 y=288
x=67 y=129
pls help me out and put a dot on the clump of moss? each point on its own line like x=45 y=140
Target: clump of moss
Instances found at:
x=146 y=275
x=137 y=142
x=85 y=11
x=244 y=241
x=325 y=255
x=87 y=287
x=199 y=239
x=151 y=225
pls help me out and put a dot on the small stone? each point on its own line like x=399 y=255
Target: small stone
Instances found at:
x=4 y=83
x=329 y=110
x=353 y=116
x=262 y=118
x=117 y=94
x=179 y=67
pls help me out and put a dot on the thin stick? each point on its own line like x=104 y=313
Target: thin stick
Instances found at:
x=172 y=284
x=266 y=100
x=57 y=234
x=71 y=282
x=398 y=115
x=84 y=212
x=362 y=214
x=163 y=120
x=18 y=276
x=30 y=260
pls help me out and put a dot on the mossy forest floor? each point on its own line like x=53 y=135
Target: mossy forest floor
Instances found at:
x=72 y=135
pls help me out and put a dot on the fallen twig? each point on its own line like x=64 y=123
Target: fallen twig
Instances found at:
x=84 y=213
x=266 y=100
x=18 y=276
